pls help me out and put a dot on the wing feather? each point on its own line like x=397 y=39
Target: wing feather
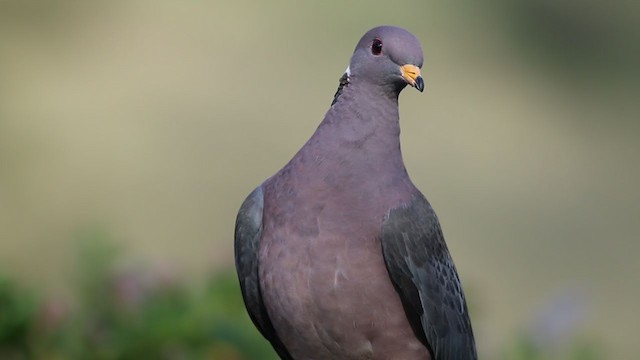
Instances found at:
x=248 y=232
x=423 y=273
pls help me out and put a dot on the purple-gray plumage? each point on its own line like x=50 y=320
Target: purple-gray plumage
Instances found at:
x=339 y=255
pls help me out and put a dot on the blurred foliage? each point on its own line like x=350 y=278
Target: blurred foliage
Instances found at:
x=145 y=313
x=129 y=315
x=17 y=314
x=524 y=348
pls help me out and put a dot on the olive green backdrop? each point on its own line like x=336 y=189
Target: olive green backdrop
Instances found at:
x=154 y=119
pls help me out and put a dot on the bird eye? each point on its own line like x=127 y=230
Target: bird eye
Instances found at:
x=376 y=47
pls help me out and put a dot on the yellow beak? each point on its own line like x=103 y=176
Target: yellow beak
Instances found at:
x=411 y=75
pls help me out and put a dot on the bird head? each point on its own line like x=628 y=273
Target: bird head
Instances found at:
x=388 y=56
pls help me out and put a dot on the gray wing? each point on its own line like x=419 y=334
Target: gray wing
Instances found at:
x=423 y=273
x=248 y=232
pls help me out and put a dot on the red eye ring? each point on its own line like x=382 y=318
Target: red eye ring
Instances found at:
x=376 y=47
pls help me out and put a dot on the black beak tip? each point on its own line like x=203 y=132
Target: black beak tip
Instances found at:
x=419 y=84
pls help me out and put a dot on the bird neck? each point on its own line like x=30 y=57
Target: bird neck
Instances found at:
x=364 y=114
x=357 y=146
x=361 y=127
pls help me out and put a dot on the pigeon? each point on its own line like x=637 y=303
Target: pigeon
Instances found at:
x=339 y=255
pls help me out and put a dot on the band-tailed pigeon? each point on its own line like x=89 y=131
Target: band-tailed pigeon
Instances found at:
x=339 y=255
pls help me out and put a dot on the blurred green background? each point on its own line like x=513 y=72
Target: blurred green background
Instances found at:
x=130 y=133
